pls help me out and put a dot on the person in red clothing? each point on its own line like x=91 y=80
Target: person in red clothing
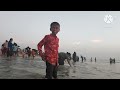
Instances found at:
x=50 y=54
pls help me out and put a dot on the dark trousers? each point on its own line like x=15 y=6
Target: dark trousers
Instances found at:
x=51 y=70
x=9 y=53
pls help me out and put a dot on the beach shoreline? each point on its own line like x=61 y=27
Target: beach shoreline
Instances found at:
x=20 y=68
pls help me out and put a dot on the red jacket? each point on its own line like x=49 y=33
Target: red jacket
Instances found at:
x=51 y=44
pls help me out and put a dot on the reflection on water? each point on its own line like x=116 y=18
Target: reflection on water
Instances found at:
x=35 y=69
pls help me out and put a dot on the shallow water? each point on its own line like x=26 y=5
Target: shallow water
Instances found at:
x=35 y=69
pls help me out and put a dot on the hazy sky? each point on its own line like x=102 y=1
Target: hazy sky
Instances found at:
x=85 y=32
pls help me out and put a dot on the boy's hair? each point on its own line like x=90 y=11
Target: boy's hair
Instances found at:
x=54 y=23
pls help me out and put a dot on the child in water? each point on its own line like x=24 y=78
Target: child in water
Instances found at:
x=50 y=56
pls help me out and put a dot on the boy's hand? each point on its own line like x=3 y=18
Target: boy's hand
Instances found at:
x=43 y=57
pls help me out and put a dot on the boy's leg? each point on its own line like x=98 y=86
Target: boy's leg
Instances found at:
x=49 y=70
x=55 y=69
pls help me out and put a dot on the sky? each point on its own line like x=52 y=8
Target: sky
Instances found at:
x=85 y=32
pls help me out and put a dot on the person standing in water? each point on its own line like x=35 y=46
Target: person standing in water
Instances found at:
x=50 y=56
x=10 y=48
x=95 y=59
x=91 y=59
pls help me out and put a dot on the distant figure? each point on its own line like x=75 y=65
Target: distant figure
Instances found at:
x=15 y=48
x=33 y=53
x=10 y=48
x=5 y=47
x=62 y=56
x=2 y=49
x=95 y=59
x=29 y=52
x=82 y=58
x=77 y=58
x=74 y=56
x=112 y=60
x=23 y=53
x=91 y=59
x=69 y=55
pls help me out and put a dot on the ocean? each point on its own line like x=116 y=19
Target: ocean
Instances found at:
x=19 y=68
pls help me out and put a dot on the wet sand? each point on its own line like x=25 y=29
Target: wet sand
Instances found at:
x=35 y=69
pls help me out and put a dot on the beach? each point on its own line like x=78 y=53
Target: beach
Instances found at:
x=19 y=68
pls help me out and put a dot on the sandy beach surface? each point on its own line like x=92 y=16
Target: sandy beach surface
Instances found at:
x=19 y=68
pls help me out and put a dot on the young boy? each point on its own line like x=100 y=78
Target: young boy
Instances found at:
x=50 y=56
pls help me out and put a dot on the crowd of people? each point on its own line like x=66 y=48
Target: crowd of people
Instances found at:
x=10 y=49
x=50 y=53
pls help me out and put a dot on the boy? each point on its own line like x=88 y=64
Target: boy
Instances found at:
x=50 y=56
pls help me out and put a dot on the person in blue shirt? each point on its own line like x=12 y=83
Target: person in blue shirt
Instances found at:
x=10 y=48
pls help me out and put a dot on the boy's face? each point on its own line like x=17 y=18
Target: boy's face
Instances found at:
x=55 y=29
